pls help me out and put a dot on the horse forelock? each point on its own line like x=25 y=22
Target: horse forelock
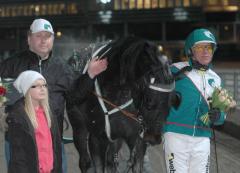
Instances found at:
x=137 y=59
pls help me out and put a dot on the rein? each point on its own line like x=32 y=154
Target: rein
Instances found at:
x=102 y=100
x=124 y=112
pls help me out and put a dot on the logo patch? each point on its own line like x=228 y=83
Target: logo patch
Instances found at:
x=211 y=82
x=208 y=165
x=209 y=35
x=171 y=165
x=47 y=27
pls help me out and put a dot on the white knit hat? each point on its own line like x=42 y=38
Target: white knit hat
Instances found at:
x=25 y=80
x=41 y=25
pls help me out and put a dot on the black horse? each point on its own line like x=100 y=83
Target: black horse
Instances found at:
x=128 y=102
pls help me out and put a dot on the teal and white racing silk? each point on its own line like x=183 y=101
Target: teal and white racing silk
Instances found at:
x=195 y=88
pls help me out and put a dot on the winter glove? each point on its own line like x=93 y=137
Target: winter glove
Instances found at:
x=214 y=115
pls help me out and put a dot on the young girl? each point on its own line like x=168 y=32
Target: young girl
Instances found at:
x=35 y=144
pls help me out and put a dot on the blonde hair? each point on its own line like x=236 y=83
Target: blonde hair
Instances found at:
x=29 y=108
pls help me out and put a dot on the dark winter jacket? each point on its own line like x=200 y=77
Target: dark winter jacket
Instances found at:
x=58 y=74
x=23 y=149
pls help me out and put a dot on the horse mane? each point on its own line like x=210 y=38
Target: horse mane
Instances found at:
x=129 y=58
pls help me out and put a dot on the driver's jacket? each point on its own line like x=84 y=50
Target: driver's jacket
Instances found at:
x=195 y=88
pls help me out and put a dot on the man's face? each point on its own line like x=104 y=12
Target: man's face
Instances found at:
x=203 y=53
x=41 y=43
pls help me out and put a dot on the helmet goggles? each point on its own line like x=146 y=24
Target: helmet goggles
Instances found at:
x=200 y=48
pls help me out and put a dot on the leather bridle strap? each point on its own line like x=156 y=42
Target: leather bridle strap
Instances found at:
x=124 y=112
x=102 y=100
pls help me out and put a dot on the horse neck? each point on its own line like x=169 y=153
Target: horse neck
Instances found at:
x=116 y=93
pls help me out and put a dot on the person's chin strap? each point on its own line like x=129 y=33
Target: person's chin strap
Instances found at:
x=196 y=65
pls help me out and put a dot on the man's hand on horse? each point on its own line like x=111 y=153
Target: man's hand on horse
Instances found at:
x=96 y=66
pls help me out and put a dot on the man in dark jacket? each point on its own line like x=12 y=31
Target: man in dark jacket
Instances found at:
x=58 y=74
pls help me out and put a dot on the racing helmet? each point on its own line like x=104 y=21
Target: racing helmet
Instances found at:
x=199 y=36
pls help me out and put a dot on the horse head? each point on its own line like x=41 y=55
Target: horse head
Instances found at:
x=152 y=93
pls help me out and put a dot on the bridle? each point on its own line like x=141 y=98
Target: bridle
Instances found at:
x=103 y=101
x=115 y=109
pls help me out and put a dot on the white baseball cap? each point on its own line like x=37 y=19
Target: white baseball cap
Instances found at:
x=25 y=80
x=39 y=25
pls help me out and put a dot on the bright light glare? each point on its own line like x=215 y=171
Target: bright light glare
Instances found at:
x=59 y=34
x=105 y=1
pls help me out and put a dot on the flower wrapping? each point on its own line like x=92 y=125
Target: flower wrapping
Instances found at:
x=220 y=99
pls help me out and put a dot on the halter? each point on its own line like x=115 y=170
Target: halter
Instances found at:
x=102 y=102
x=161 y=88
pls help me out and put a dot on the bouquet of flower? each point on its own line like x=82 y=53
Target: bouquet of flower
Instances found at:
x=222 y=100
x=3 y=91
